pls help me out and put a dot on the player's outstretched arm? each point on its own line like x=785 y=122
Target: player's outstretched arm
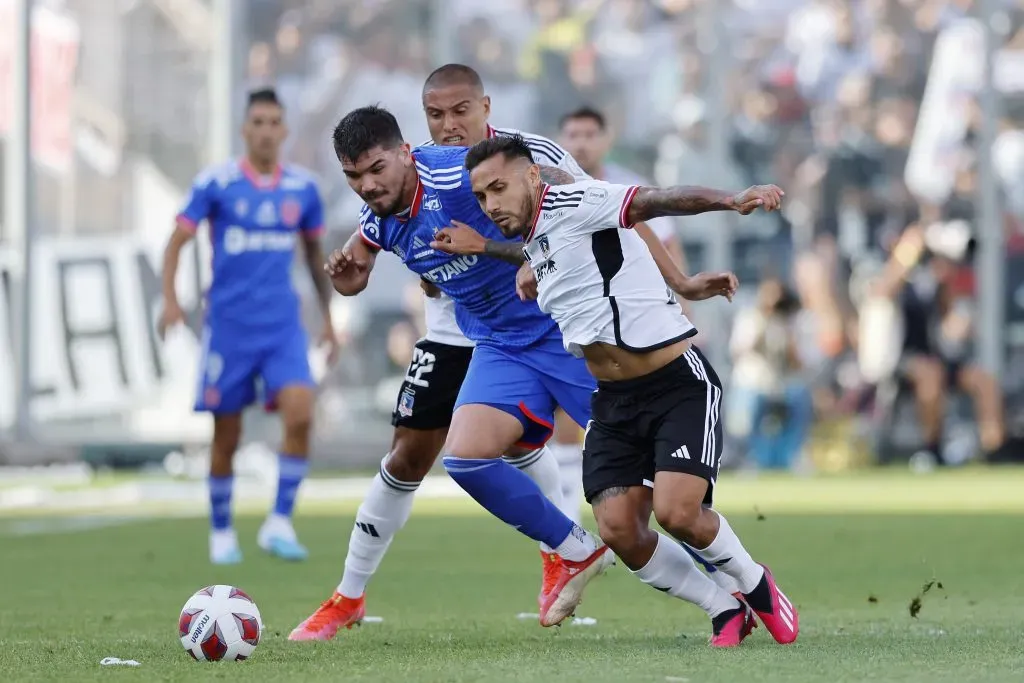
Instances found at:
x=349 y=267
x=172 y=314
x=461 y=239
x=652 y=202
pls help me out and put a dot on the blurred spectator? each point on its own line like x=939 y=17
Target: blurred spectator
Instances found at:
x=937 y=320
x=767 y=378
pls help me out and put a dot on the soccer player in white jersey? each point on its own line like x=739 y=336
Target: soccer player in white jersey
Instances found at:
x=584 y=134
x=654 y=439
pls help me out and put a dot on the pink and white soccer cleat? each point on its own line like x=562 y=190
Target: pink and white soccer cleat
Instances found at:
x=781 y=619
x=733 y=626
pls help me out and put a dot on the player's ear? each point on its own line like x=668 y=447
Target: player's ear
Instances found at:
x=405 y=154
x=487 y=104
x=533 y=174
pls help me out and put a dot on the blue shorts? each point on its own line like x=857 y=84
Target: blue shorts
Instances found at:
x=530 y=383
x=232 y=362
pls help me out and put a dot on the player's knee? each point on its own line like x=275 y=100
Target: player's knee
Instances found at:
x=681 y=518
x=629 y=537
x=298 y=424
x=928 y=379
x=481 y=431
x=227 y=433
x=413 y=453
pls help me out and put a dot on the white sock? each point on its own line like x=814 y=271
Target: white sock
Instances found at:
x=671 y=570
x=728 y=554
x=725 y=582
x=570 y=472
x=540 y=466
x=577 y=546
x=382 y=513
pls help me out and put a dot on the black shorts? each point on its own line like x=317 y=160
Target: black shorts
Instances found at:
x=432 y=381
x=664 y=421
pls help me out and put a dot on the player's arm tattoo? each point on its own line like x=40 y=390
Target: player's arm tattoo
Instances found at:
x=556 y=176
x=510 y=252
x=654 y=202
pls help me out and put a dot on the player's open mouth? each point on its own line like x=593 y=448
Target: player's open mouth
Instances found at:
x=454 y=140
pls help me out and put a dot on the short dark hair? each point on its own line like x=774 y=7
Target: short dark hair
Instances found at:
x=453 y=74
x=362 y=129
x=263 y=96
x=584 y=113
x=509 y=146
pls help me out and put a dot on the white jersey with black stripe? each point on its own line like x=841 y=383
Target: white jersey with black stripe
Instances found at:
x=440 y=312
x=595 y=276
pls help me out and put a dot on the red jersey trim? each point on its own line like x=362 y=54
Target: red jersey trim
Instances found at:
x=256 y=179
x=536 y=215
x=186 y=223
x=627 y=201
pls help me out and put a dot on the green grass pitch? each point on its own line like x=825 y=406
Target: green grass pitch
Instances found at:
x=852 y=553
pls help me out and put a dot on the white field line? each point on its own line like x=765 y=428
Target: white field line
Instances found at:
x=190 y=497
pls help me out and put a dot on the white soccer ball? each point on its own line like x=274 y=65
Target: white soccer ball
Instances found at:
x=220 y=623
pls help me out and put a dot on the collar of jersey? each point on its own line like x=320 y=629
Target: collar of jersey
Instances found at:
x=259 y=181
x=417 y=198
x=490 y=131
x=536 y=214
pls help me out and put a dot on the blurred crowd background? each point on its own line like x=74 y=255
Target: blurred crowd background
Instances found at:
x=854 y=338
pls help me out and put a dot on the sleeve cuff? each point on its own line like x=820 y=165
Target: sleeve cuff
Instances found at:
x=318 y=231
x=627 y=201
x=368 y=242
x=186 y=223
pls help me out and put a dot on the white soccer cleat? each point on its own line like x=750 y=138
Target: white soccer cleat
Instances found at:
x=277 y=537
x=224 y=547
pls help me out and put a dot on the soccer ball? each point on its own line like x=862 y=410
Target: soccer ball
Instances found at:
x=220 y=622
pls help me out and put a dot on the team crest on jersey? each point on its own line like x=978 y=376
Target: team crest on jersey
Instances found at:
x=405 y=402
x=431 y=203
x=266 y=216
x=291 y=212
x=545 y=246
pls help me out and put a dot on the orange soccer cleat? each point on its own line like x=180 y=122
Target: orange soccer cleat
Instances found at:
x=552 y=565
x=567 y=592
x=336 y=613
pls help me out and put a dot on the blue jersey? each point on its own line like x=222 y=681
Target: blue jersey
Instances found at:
x=254 y=223
x=487 y=308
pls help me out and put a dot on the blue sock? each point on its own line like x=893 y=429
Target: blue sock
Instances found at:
x=220 y=502
x=291 y=472
x=511 y=496
x=708 y=567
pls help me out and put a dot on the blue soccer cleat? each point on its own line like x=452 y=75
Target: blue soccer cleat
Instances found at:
x=224 y=547
x=277 y=537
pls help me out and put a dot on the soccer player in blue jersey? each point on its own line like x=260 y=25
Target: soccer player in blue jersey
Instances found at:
x=257 y=210
x=519 y=370
x=457 y=109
